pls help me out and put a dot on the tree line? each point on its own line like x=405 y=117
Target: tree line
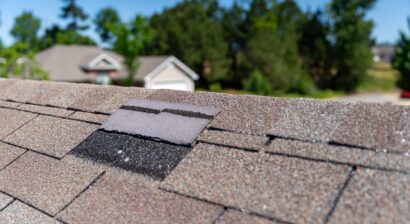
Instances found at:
x=260 y=46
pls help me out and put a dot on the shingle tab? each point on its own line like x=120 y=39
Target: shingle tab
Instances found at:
x=251 y=142
x=4 y=201
x=18 y=212
x=236 y=217
x=9 y=104
x=50 y=135
x=375 y=197
x=8 y=154
x=46 y=183
x=89 y=117
x=45 y=110
x=341 y=154
x=115 y=199
x=11 y=119
x=150 y=158
x=165 y=126
x=288 y=189
x=23 y=91
x=372 y=126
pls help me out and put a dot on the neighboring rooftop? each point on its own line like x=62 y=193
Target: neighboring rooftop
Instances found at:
x=257 y=160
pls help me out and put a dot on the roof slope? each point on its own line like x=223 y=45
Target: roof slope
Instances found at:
x=260 y=160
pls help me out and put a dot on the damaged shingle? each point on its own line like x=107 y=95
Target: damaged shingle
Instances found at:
x=155 y=159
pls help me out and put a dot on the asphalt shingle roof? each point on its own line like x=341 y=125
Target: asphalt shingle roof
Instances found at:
x=259 y=160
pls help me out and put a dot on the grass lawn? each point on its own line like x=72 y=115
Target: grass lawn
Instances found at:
x=381 y=78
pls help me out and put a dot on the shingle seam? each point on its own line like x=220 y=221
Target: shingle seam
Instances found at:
x=230 y=146
x=8 y=164
x=82 y=191
x=84 y=121
x=220 y=216
x=36 y=115
x=26 y=203
x=335 y=162
x=340 y=194
x=212 y=128
x=7 y=205
x=31 y=150
x=226 y=206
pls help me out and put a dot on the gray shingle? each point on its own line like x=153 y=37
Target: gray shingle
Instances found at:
x=371 y=126
x=341 y=154
x=375 y=197
x=50 y=135
x=119 y=199
x=10 y=120
x=226 y=138
x=289 y=189
x=18 y=212
x=4 y=84
x=46 y=183
x=236 y=217
x=94 y=98
x=23 y=91
x=45 y=110
x=8 y=154
x=8 y=104
x=161 y=105
x=4 y=201
x=165 y=126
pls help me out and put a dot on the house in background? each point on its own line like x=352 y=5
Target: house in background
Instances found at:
x=383 y=53
x=75 y=63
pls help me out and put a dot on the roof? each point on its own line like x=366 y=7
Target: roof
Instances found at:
x=258 y=159
x=67 y=63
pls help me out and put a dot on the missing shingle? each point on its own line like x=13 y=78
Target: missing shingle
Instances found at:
x=144 y=156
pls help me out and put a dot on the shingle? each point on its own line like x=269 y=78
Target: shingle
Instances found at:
x=375 y=197
x=94 y=98
x=10 y=120
x=239 y=113
x=308 y=119
x=371 y=126
x=161 y=105
x=61 y=94
x=147 y=157
x=119 y=97
x=18 y=212
x=4 y=84
x=285 y=188
x=23 y=91
x=165 y=126
x=50 y=135
x=4 y=201
x=89 y=117
x=341 y=154
x=8 y=104
x=236 y=217
x=47 y=184
x=8 y=154
x=251 y=142
x=115 y=199
x=45 y=110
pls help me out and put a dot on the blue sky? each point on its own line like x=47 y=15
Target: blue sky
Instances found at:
x=389 y=15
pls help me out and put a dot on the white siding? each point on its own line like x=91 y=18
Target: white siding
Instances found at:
x=171 y=76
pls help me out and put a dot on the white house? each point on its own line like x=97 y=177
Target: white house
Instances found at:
x=76 y=63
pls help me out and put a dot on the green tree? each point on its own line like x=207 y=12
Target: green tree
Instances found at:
x=130 y=39
x=190 y=31
x=103 y=20
x=257 y=83
x=13 y=63
x=315 y=48
x=56 y=35
x=75 y=14
x=351 y=33
x=401 y=61
x=25 y=29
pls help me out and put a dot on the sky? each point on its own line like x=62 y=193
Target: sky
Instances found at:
x=389 y=16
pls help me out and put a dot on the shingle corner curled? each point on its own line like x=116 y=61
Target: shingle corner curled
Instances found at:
x=169 y=122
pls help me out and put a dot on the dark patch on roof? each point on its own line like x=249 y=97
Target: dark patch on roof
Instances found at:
x=155 y=159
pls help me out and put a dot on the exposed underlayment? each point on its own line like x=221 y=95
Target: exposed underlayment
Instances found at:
x=258 y=159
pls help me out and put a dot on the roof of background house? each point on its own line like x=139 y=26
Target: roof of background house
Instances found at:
x=65 y=62
x=260 y=160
